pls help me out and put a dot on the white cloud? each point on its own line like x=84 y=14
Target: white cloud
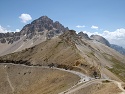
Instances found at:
x=25 y=17
x=4 y=30
x=94 y=27
x=79 y=26
x=114 y=37
x=17 y=30
x=118 y=34
x=90 y=33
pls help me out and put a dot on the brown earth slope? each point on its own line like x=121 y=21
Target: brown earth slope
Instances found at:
x=19 y=79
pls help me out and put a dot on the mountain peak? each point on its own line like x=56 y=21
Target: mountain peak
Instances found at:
x=42 y=24
x=71 y=37
x=42 y=20
x=83 y=35
x=100 y=39
x=45 y=17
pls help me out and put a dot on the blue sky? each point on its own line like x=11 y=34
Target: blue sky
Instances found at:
x=91 y=16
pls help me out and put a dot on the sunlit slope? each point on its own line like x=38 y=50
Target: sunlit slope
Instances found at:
x=72 y=51
x=18 y=79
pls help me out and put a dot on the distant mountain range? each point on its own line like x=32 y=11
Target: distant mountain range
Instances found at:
x=118 y=48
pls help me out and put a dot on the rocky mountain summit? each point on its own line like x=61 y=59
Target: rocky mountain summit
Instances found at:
x=37 y=27
x=42 y=24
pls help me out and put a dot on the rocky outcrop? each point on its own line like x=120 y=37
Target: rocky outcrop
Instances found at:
x=3 y=40
x=100 y=39
x=9 y=37
x=83 y=35
x=71 y=37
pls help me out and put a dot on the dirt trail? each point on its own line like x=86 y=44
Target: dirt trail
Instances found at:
x=81 y=86
x=83 y=78
x=71 y=91
x=8 y=79
x=10 y=83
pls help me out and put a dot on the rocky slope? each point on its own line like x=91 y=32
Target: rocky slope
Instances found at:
x=105 y=42
x=20 y=79
x=100 y=39
x=9 y=37
x=71 y=52
x=83 y=35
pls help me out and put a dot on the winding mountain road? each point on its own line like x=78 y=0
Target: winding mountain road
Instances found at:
x=83 y=77
x=82 y=83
